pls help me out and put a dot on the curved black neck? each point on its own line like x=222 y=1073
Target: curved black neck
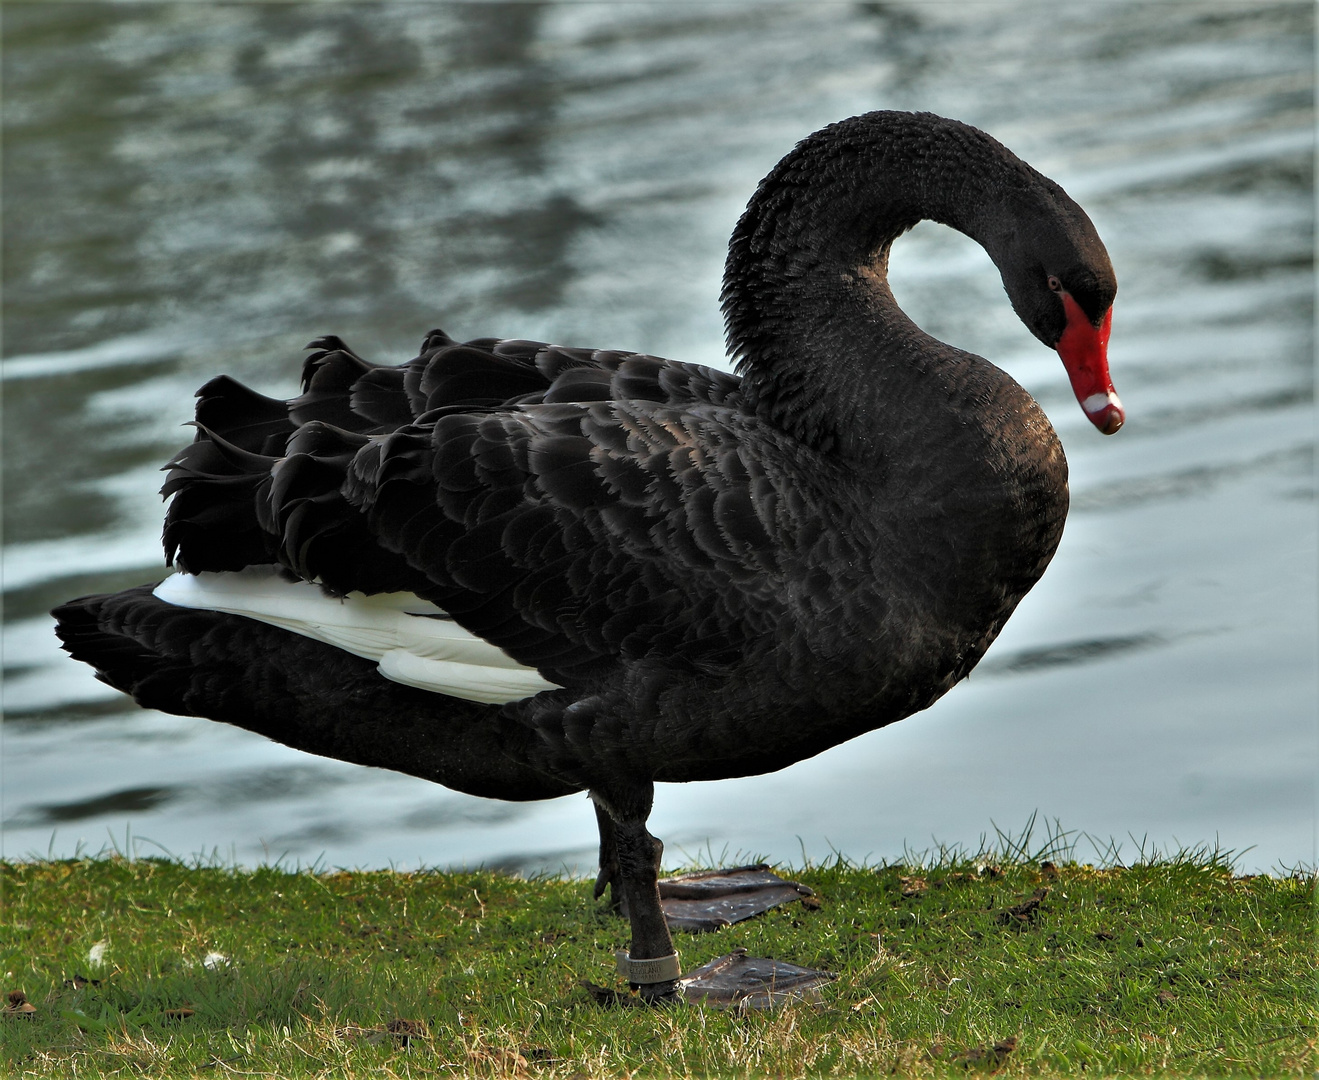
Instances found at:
x=824 y=350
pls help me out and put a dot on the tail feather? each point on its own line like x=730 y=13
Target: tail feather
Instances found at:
x=328 y=376
x=299 y=692
x=381 y=398
x=242 y=417
x=321 y=536
x=212 y=522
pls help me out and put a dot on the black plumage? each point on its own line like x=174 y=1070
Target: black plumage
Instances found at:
x=721 y=575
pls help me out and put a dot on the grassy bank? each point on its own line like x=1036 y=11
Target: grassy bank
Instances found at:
x=153 y=968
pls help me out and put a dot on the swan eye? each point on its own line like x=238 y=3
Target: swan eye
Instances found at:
x=1055 y=284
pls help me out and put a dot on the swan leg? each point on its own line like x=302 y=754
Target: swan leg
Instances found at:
x=638 y=857
x=610 y=876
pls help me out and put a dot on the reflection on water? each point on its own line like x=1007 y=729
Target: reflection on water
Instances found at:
x=195 y=188
x=1069 y=654
x=114 y=803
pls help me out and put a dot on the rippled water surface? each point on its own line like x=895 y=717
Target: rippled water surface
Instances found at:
x=197 y=188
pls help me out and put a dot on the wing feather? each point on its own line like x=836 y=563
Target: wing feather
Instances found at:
x=576 y=508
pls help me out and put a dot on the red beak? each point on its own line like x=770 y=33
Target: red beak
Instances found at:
x=1084 y=349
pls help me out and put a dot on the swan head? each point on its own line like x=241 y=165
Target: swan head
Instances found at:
x=1062 y=285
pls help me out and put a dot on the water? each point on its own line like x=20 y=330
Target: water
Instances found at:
x=197 y=188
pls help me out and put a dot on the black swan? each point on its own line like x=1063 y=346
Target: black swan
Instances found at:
x=521 y=570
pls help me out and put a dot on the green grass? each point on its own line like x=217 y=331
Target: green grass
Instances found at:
x=1172 y=967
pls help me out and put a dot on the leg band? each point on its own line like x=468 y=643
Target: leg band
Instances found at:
x=641 y=972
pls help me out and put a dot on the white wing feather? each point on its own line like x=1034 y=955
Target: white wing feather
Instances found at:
x=412 y=641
